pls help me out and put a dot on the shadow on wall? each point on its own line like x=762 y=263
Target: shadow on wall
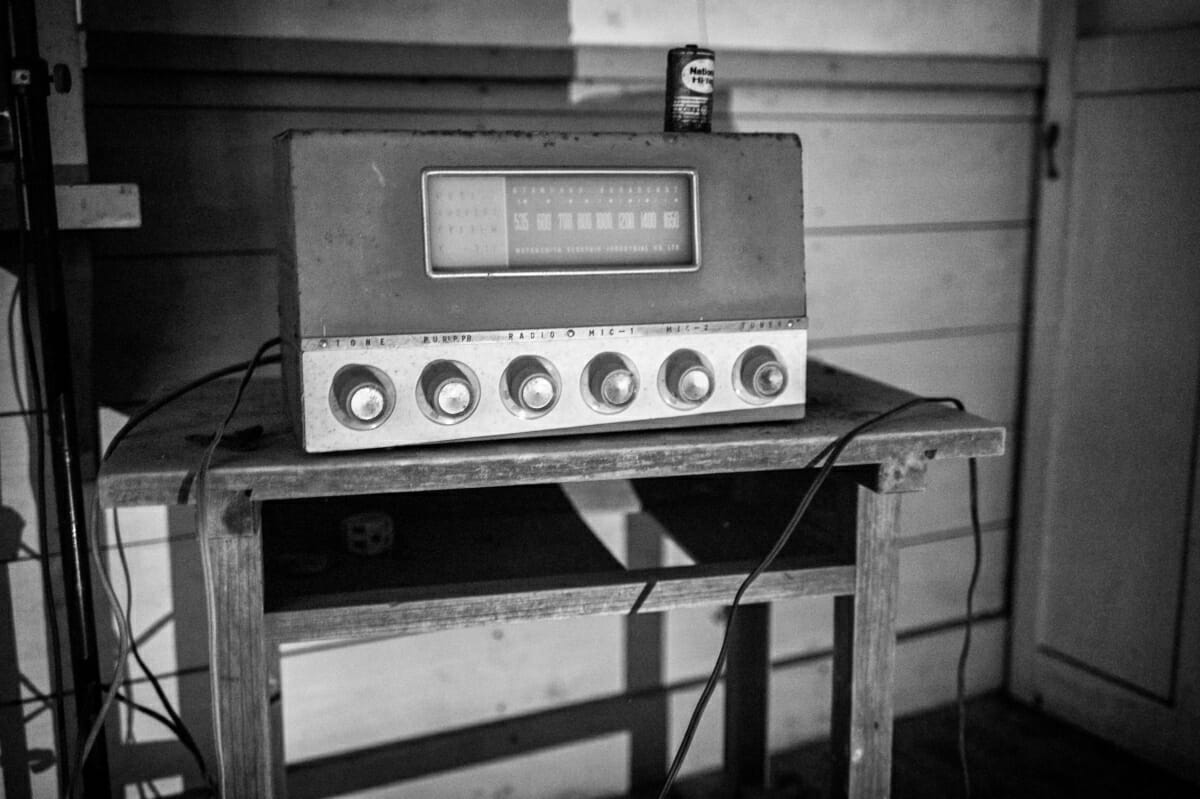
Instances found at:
x=169 y=623
x=196 y=287
x=28 y=703
x=297 y=535
x=16 y=759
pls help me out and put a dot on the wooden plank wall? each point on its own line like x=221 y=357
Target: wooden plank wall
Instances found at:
x=1001 y=28
x=918 y=175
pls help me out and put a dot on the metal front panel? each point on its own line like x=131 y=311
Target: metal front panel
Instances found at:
x=402 y=358
x=359 y=253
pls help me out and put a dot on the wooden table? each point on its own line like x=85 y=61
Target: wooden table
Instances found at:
x=852 y=556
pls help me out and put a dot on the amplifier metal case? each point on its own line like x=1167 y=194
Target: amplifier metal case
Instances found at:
x=449 y=286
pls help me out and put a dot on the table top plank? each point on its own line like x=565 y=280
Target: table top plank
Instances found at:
x=155 y=464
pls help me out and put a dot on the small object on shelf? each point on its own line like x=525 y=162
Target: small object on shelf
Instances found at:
x=369 y=534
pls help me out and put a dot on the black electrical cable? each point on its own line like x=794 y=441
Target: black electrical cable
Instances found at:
x=42 y=507
x=960 y=691
x=210 y=450
x=36 y=403
x=160 y=718
x=174 y=721
x=154 y=405
x=201 y=491
x=146 y=711
x=829 y=455
x=94 y=737
x=137 y=707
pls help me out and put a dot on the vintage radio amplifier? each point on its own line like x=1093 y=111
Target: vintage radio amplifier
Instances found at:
x=451 y=286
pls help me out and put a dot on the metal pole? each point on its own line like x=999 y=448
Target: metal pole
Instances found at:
x=30 y=77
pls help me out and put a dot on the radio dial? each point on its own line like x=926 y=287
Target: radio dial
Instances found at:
x=452 y=396
x=447 y=392
x=537 y=392
x=367 y=402
x=694 y=385
x=687 y=379
x=361 y=397
x=618 y=388
x=769 y=380
x=530 y=386
x=761 y=374
x=765 y=379
x=609 y=382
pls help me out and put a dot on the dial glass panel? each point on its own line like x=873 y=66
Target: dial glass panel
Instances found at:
x=523 y=222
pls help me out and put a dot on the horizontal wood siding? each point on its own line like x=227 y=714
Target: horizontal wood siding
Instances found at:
x=999 y=28
x=935 y=189
x=917 y=208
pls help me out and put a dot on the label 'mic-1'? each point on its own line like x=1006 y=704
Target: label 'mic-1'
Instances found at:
x=440 y=287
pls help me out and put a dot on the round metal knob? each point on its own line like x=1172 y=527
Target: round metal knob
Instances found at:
x=537 y=392
x=766 y=379
x=688 y=379
x=618 y=388
x=694 y=384
x=769 y=380
x=609 y=382
x=367 y=402
x=452 y=396
x=446 y=392
x=361 y=396
x=762 y=375
x=531 y=385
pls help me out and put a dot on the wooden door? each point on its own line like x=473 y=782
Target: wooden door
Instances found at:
x=1107 y=617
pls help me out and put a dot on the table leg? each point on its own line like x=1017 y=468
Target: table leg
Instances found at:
x=747 y=676
x=231 y=533
x=644 y=634
x=864 y=655
x=275 y=710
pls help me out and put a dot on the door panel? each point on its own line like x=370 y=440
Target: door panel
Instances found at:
x=1107 y=603
x=1127 y=390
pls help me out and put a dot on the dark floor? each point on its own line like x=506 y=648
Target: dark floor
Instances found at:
x=1013 y=751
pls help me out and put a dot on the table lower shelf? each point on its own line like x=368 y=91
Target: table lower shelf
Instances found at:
x=484 y=556
x=409 y=611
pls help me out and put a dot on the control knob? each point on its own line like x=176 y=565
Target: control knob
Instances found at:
x=361 y=396
x=611 y=381
x=532 y=386
x=448 y=390
x=762 y=375
x=687 y=379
